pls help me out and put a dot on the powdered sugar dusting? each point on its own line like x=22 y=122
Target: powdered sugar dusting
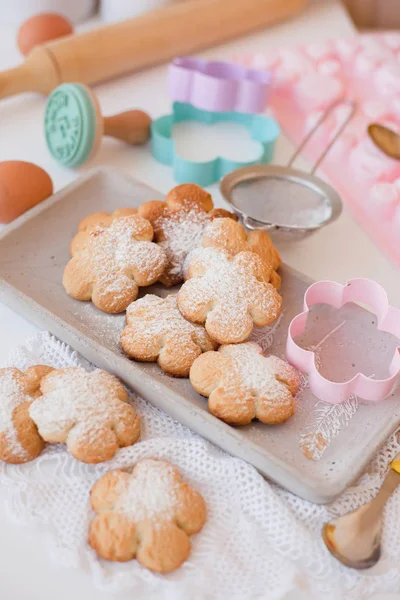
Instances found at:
x=162 y=317
x=12 y=395
x=106 y=328
x=259 y=375
x=219 y=234
x=182 y=232
x=77 y=397
x=230 y=284
x=151 y=492
x=114 y=254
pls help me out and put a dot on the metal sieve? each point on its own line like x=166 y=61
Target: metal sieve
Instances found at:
x=282 y=198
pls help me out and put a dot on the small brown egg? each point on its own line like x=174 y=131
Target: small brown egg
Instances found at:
x=40 y=29
x=22 y=185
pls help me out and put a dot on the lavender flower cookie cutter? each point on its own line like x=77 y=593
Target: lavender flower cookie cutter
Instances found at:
x=363 y=291
x=218 y=86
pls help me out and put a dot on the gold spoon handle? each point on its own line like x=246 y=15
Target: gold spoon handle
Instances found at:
x=354 y=539
x=373 y=509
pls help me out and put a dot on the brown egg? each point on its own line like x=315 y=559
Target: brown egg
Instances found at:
x=40 y=29
x=22 y=185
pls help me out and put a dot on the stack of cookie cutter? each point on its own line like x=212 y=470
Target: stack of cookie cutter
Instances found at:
x=218 y=86
x=262 y=129
x=362 y=291
x=212 y=92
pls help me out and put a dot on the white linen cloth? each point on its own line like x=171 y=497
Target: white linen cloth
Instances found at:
x=259 y=541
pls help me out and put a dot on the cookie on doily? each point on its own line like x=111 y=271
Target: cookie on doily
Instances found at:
x=228 y=294
x=109 y=263
x=87 y=411
x=179 y=223
x=156 y=331
x=232 y=236
x=20 y=441
x=147 y=514
x=241 y=384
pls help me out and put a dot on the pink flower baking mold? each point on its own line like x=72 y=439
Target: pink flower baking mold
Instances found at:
x=329 y=292
x=305 y=80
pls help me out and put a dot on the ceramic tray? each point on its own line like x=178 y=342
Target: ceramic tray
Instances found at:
x=33 y=253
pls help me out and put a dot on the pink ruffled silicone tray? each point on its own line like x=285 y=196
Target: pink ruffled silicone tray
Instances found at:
x=306 y=80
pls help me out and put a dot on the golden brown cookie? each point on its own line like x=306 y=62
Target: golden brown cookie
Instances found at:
x=180 y=195
x=152 y=210
x=103 y=219
x=147 y=514
x=156 y=331
x=111 y=262
x=87 y=411
x=99 y=219
x=228 y=294
x=241 y=384
x=232 y=236
x=20 y=441
x=179 y=223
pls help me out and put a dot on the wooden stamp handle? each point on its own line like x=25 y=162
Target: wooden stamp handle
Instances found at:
x=132 y=127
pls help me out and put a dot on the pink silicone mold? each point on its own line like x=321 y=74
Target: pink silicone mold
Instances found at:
x=329 y=292
x=306 y=80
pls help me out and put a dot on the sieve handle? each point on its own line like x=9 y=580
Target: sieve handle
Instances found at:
x=329 y=110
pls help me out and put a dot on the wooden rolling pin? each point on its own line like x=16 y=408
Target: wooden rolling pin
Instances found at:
x=152 y=38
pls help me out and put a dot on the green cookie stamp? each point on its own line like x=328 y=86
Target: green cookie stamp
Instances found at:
x=71 y=124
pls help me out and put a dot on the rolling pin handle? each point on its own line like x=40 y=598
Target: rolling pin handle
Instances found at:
x=37 y=74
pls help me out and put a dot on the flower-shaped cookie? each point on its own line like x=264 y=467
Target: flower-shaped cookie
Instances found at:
x=87 y=411
x=19 y=437
x=241 y=384
x=232 y=236
x=98 y=219
x=156 y=331
x=179 y=223
x=148 y=514
x=228 y=294
x=109 y=263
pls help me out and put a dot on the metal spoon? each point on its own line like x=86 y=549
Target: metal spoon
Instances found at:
x=355 y=538
x=385 y=139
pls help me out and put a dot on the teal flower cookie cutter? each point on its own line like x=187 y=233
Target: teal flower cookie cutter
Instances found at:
x=262 y=129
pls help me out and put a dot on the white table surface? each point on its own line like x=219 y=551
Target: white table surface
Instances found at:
x=338 y=252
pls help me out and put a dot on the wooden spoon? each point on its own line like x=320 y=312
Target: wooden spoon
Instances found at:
x=385 y=139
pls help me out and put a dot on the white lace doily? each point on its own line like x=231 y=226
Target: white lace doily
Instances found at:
x=259 y=541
